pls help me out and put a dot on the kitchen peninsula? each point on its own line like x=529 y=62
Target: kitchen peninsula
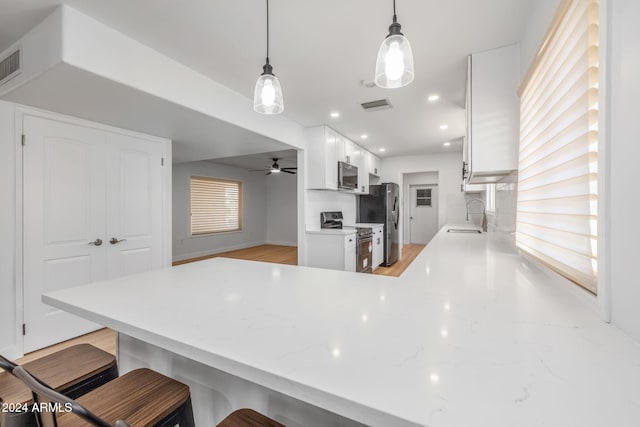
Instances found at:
x=472 y=333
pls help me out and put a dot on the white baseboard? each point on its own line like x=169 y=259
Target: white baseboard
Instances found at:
x=274 y=242
x=182 y=257
x=11 y=352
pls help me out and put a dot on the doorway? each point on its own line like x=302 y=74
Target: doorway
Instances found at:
x=423 y=213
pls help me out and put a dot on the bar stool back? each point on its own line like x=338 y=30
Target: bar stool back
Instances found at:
x=43 y=394
x=144 y=398
x=131 y=392
x=73 y=371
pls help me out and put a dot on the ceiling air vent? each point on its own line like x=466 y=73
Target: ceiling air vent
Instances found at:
x=10 y=67
x=380 y=104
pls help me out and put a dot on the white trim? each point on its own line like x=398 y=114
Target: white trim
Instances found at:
x=198 y=254
x=167 y=203
x=19 y=284
x=604 y=180
x=11 y=352
x=302 y=203
x=275 y=242
x=24 y=110
x=20 y=112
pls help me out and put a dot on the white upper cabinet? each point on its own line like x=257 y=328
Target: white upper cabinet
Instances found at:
x=373 y=164
x=360 y=160
x=491 y=146
x=322 y=160
x=326 y=148
x=346 y=150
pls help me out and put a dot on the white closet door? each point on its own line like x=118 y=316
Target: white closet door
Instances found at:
x=64 y=212
x=134 y=200
x=81 y=185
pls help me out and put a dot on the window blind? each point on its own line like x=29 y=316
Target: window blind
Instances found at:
x=558 y=170
x=215 y=205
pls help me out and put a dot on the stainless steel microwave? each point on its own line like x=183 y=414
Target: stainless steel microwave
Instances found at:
x=347 y=176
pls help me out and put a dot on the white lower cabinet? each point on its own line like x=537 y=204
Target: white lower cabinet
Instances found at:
x=335 y=251
x=350 y=253
x=378 y=246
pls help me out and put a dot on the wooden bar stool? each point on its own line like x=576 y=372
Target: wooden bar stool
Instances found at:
x=141 y=397
x=73 y=371
x=248 y=418
x=144 y=398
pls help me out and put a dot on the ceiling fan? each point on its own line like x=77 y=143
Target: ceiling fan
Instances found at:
x=275 y=168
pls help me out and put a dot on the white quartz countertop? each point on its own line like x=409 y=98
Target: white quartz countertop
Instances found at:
x=472 y=334
x=365 y=224
x=332 y=231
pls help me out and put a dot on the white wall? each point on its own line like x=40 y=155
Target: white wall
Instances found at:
x=447 y=165
x=254 y=221
x=624 y=153
x=8 y=232
x=282 y=209
x=326 y=200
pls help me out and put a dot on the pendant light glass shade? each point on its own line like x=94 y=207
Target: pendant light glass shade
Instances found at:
x=267 y=98
x=394 y=67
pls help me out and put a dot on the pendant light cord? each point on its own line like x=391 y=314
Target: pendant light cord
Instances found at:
x=268 y=30
x=395 y=19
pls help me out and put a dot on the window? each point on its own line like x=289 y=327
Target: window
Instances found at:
x=216 y=205
x=423 y=197
x=558 y=171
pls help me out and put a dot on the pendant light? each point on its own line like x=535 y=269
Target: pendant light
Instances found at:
x=267 y=98
x=394 y=67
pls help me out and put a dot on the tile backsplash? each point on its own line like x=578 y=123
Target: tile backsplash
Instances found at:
x=504 y=218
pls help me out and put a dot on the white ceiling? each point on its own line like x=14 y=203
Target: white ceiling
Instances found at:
x=286 y=159
x=320 y=50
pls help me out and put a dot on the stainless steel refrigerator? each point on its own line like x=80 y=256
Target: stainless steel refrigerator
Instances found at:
x=383 y=206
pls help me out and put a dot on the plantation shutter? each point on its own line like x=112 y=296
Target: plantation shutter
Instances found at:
x=557 y=205
x=215 y=205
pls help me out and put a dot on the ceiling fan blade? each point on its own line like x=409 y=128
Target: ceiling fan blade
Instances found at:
x=258 y=170
x=284 y=169
x=292 y=173
x=269 y=173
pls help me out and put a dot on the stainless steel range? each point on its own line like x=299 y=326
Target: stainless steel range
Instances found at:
x=364 y=249
x=364 y=240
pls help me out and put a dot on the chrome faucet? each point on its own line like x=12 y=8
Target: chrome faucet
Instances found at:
x=484 y=224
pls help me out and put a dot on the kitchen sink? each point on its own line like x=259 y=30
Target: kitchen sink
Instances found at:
x=464 y=230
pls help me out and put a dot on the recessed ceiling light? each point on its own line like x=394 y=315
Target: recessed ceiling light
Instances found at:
x=382 y=150
x=364 y=136
x=444 y=127
x=433 y=98
x=446 y=144
x=335 y=114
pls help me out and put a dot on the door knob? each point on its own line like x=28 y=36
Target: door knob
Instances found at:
x=96 y=242
x=114 y=240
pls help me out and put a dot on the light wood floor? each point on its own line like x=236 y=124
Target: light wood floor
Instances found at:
x=266 y=253
x=106 y=338
x=409 y=253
